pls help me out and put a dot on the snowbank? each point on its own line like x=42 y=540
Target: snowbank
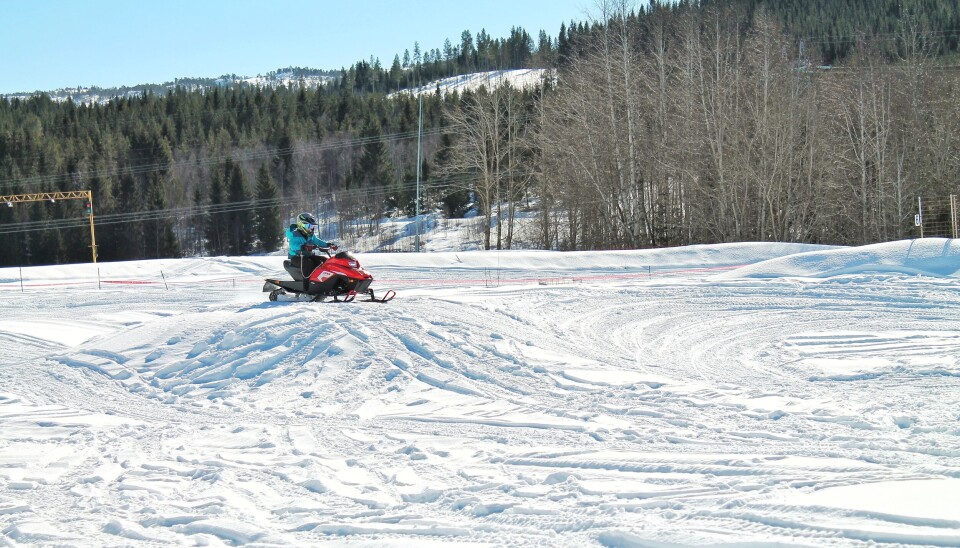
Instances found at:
x=930 y=257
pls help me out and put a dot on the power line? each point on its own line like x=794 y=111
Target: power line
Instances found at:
x=216 y=209
x=183 y=117
x=151 y=117
x=242 y=157
x=206 y=162
x=848 y=39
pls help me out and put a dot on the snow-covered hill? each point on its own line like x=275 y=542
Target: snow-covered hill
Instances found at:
x=742 y=394
x=518 y=78
x=310 y=78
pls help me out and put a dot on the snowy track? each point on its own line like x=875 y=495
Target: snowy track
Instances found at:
x=692 y=408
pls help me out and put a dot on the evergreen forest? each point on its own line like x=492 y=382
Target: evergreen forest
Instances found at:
x=656 y=124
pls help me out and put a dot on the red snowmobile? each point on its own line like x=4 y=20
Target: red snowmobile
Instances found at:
x=339 y=277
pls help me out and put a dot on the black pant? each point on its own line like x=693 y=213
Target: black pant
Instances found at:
x=306 y=263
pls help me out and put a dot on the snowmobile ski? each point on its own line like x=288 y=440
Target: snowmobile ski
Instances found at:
x=387 y=297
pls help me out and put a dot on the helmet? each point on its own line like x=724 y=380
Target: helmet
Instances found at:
x=306 y=222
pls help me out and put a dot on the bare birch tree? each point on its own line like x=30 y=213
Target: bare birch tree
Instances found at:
x=862 y=101
x=491 y=126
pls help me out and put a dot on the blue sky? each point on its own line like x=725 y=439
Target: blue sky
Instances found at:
x=50 y=44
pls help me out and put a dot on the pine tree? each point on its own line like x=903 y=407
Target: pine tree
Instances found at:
x=466 y=51
x=373 y=168
x=395 y=73
x=128 y=236
x=453 y=197
x=200 y=224
x=417 y=60
x=448 y=56
x=563 y=45
x=267 y=213
x=215 y=220
x=160 y=240
x=238 y=220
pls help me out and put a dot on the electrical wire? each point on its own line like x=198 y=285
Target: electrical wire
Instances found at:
x=459 y=183
x=73 y=177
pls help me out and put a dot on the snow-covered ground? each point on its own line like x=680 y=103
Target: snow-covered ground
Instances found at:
x=742 y=394
x=518 y=78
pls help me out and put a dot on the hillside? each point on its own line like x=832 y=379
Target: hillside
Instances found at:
x=309 y=78
x=518 y=78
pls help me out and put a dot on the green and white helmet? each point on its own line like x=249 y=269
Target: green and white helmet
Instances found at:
x=306 y=223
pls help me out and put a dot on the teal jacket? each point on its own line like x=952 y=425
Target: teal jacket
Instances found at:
x=297 y=240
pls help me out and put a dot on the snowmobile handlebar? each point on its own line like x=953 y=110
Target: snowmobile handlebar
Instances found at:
x=309 y=249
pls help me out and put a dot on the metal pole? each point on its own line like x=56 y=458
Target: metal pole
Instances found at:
x=417 y=208
x=920 y=205
x=953 y=215
x=93 y=236
x=54 y=196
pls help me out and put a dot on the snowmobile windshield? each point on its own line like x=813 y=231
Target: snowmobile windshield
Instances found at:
x=345 y=255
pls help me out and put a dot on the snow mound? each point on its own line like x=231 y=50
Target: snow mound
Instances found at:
x=937 y=257
x=707 y=256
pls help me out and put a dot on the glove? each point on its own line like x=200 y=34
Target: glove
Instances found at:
x=333 y=247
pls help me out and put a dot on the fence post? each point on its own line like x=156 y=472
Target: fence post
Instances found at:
x=954 y=215
x=165 y=288
x=21 y=279
x=920 y=215
x=99 y=285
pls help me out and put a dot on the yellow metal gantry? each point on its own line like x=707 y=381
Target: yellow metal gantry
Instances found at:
x=53 y=197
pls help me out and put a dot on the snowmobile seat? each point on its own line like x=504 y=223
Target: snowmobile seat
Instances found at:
x=296 y=271
x=293 y=270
